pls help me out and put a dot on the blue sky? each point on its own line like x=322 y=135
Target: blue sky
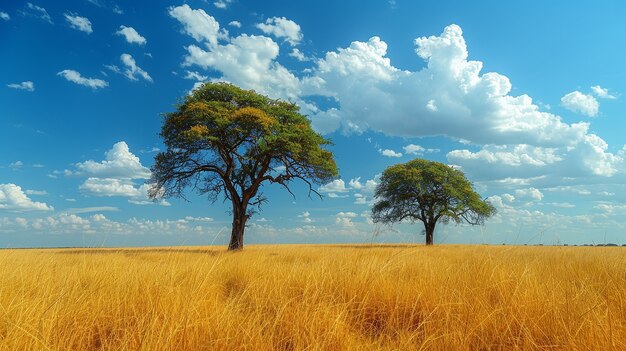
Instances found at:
x=525 y=97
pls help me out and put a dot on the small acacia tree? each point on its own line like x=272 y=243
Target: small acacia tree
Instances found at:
x=223 y=140
x=430 y=192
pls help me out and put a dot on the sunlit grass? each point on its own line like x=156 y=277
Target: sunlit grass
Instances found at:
x=314 y=298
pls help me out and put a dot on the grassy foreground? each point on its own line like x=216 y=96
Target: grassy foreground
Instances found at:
x=314 y=298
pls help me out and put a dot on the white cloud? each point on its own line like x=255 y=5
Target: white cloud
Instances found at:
x=249 y=62
x=611 y=208
x=98 y=217
x=22 y=222
x=38 y=12
x=13 y=198
x=298 y=55
x=580 y=103
x=333 y=188
x=113 y=187
x=132 y=69
x=69 y=223
x=75 y=77
x=531 y=193
x=413 y=149
x=119 y=163
x=305 y=217
x=114 y=176
x=368 y=187
x=235 y=24
x=109 y=187
x=470 y=105
x=82 y=24
x=27 y=85
x=198 y=219
x=578 y=190
x=344 y=219
x=450 y=97
x=280 y=27
x=192 y=75
x=389 y=153
x=602 y=92
x=198 y=24
x=222 y=4
x=516 y=155
x=5 y=16
x=131 y=35
x=16 y=165
x=431 y=106
x=561 y=204
x=508 y=197
x=587 y=158
x=355 y=183
x=36 y=192
x=91 y=209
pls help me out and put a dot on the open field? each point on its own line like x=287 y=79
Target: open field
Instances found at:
x=314 y=298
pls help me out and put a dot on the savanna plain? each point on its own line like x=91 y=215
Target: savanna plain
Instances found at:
x=314 y=297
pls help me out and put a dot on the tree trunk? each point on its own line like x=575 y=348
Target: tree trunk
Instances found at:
x=239 y=225
x=430 y=231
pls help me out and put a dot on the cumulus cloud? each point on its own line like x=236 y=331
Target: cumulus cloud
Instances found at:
x=131 y=35
x=76 y=77
x=344 y=219
x=115 y=175
x=13 y=198
x=82 y=24
x=118 y=163
x=249 y=62
x=530 y=193
x=197 y=23
x=337 y=186
x=132 y=70
x=581 y=103
x=281 y=27
x=389 y=153
x=222 y=4
x=4 y=16
x=368 y=187
x=587 y=158
x=602 y=92
x=305 y=217
x=413 y=149
x=449 y=97
x=235 y=24
x=110 y=187
x=27 y=85
x=517 y=155
x=98 y=223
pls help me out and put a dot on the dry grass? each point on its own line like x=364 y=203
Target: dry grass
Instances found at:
x=314 y=298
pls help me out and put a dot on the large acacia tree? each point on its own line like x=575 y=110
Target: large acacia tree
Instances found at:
x=429 y=192
x=226 y=141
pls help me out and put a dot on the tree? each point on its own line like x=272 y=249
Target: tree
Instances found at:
x=430 y=192
x=223 y=140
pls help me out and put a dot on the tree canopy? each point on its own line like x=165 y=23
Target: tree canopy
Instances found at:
x=226 y=141
x=429 y=192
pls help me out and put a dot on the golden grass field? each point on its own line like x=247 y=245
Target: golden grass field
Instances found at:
x=314 y=298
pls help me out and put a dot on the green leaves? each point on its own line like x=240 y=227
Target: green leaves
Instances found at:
x=428 y=191
x=239 y=136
